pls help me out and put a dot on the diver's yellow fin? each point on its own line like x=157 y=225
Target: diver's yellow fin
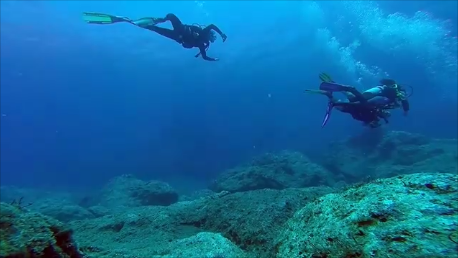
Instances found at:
x=97 y=18
x=324 y=77
x=102 y=18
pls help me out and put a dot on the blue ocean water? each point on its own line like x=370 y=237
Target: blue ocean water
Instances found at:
x=83 y=103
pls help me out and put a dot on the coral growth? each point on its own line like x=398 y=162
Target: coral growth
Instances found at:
x=30 y=234
x=409 y=216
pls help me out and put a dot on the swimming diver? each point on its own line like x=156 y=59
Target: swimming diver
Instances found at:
x=370 y=113
x=188 y=36
x=388 y=93
x=370 y=116
x=369 y=106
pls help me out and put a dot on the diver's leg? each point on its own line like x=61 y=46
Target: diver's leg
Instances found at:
x=350 y=96
x=171 y=34
x=343 y=105
x=150 y=24
x=346 y=104
x=335 y=87
x=147 y=22
x=354 y=95
x=176 y=23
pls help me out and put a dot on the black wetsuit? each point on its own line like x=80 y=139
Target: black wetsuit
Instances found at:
x=188 y=36
x=367 y=114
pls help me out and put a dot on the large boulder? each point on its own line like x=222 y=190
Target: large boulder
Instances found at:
x=204 y=244
x=410 y=216
x=30 y=234
x=380 y=155
x=127 y=191
x=273 y=171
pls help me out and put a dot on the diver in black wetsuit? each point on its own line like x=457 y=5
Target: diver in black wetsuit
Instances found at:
x=369 y=108
x=369 y=115
x=369 y=112
x=188 y=36
x=388 y=92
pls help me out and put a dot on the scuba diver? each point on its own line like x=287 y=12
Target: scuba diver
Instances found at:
x=369 y=106
x=188 y=36
x=370 y=116
x=389 y=93
x=369 y=113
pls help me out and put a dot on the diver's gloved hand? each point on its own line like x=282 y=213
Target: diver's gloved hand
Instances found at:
x=224 y=37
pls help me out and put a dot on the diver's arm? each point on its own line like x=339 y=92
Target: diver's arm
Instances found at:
x=383 y=116
x=203 y=52
x=206 y=45
x=215 y=28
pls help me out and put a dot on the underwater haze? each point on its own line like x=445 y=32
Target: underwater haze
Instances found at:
x=83 y=103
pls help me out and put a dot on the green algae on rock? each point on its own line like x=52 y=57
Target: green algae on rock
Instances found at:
x=411 y=216
x=30 y=234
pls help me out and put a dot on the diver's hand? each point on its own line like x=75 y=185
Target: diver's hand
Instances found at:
x=215 y=59
x=224 y=37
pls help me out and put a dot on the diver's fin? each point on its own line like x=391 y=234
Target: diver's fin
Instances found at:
x=333 y=87
x=322 y=92
x=101 y=18
x=324 y=77
x=328 y=114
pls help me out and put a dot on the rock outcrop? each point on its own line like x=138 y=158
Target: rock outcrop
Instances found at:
x=278 y=205
x=411 y=216
x=249 y=220
x=380 y=155
x=128 y=191
x=273 y=171
x=30 y=234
